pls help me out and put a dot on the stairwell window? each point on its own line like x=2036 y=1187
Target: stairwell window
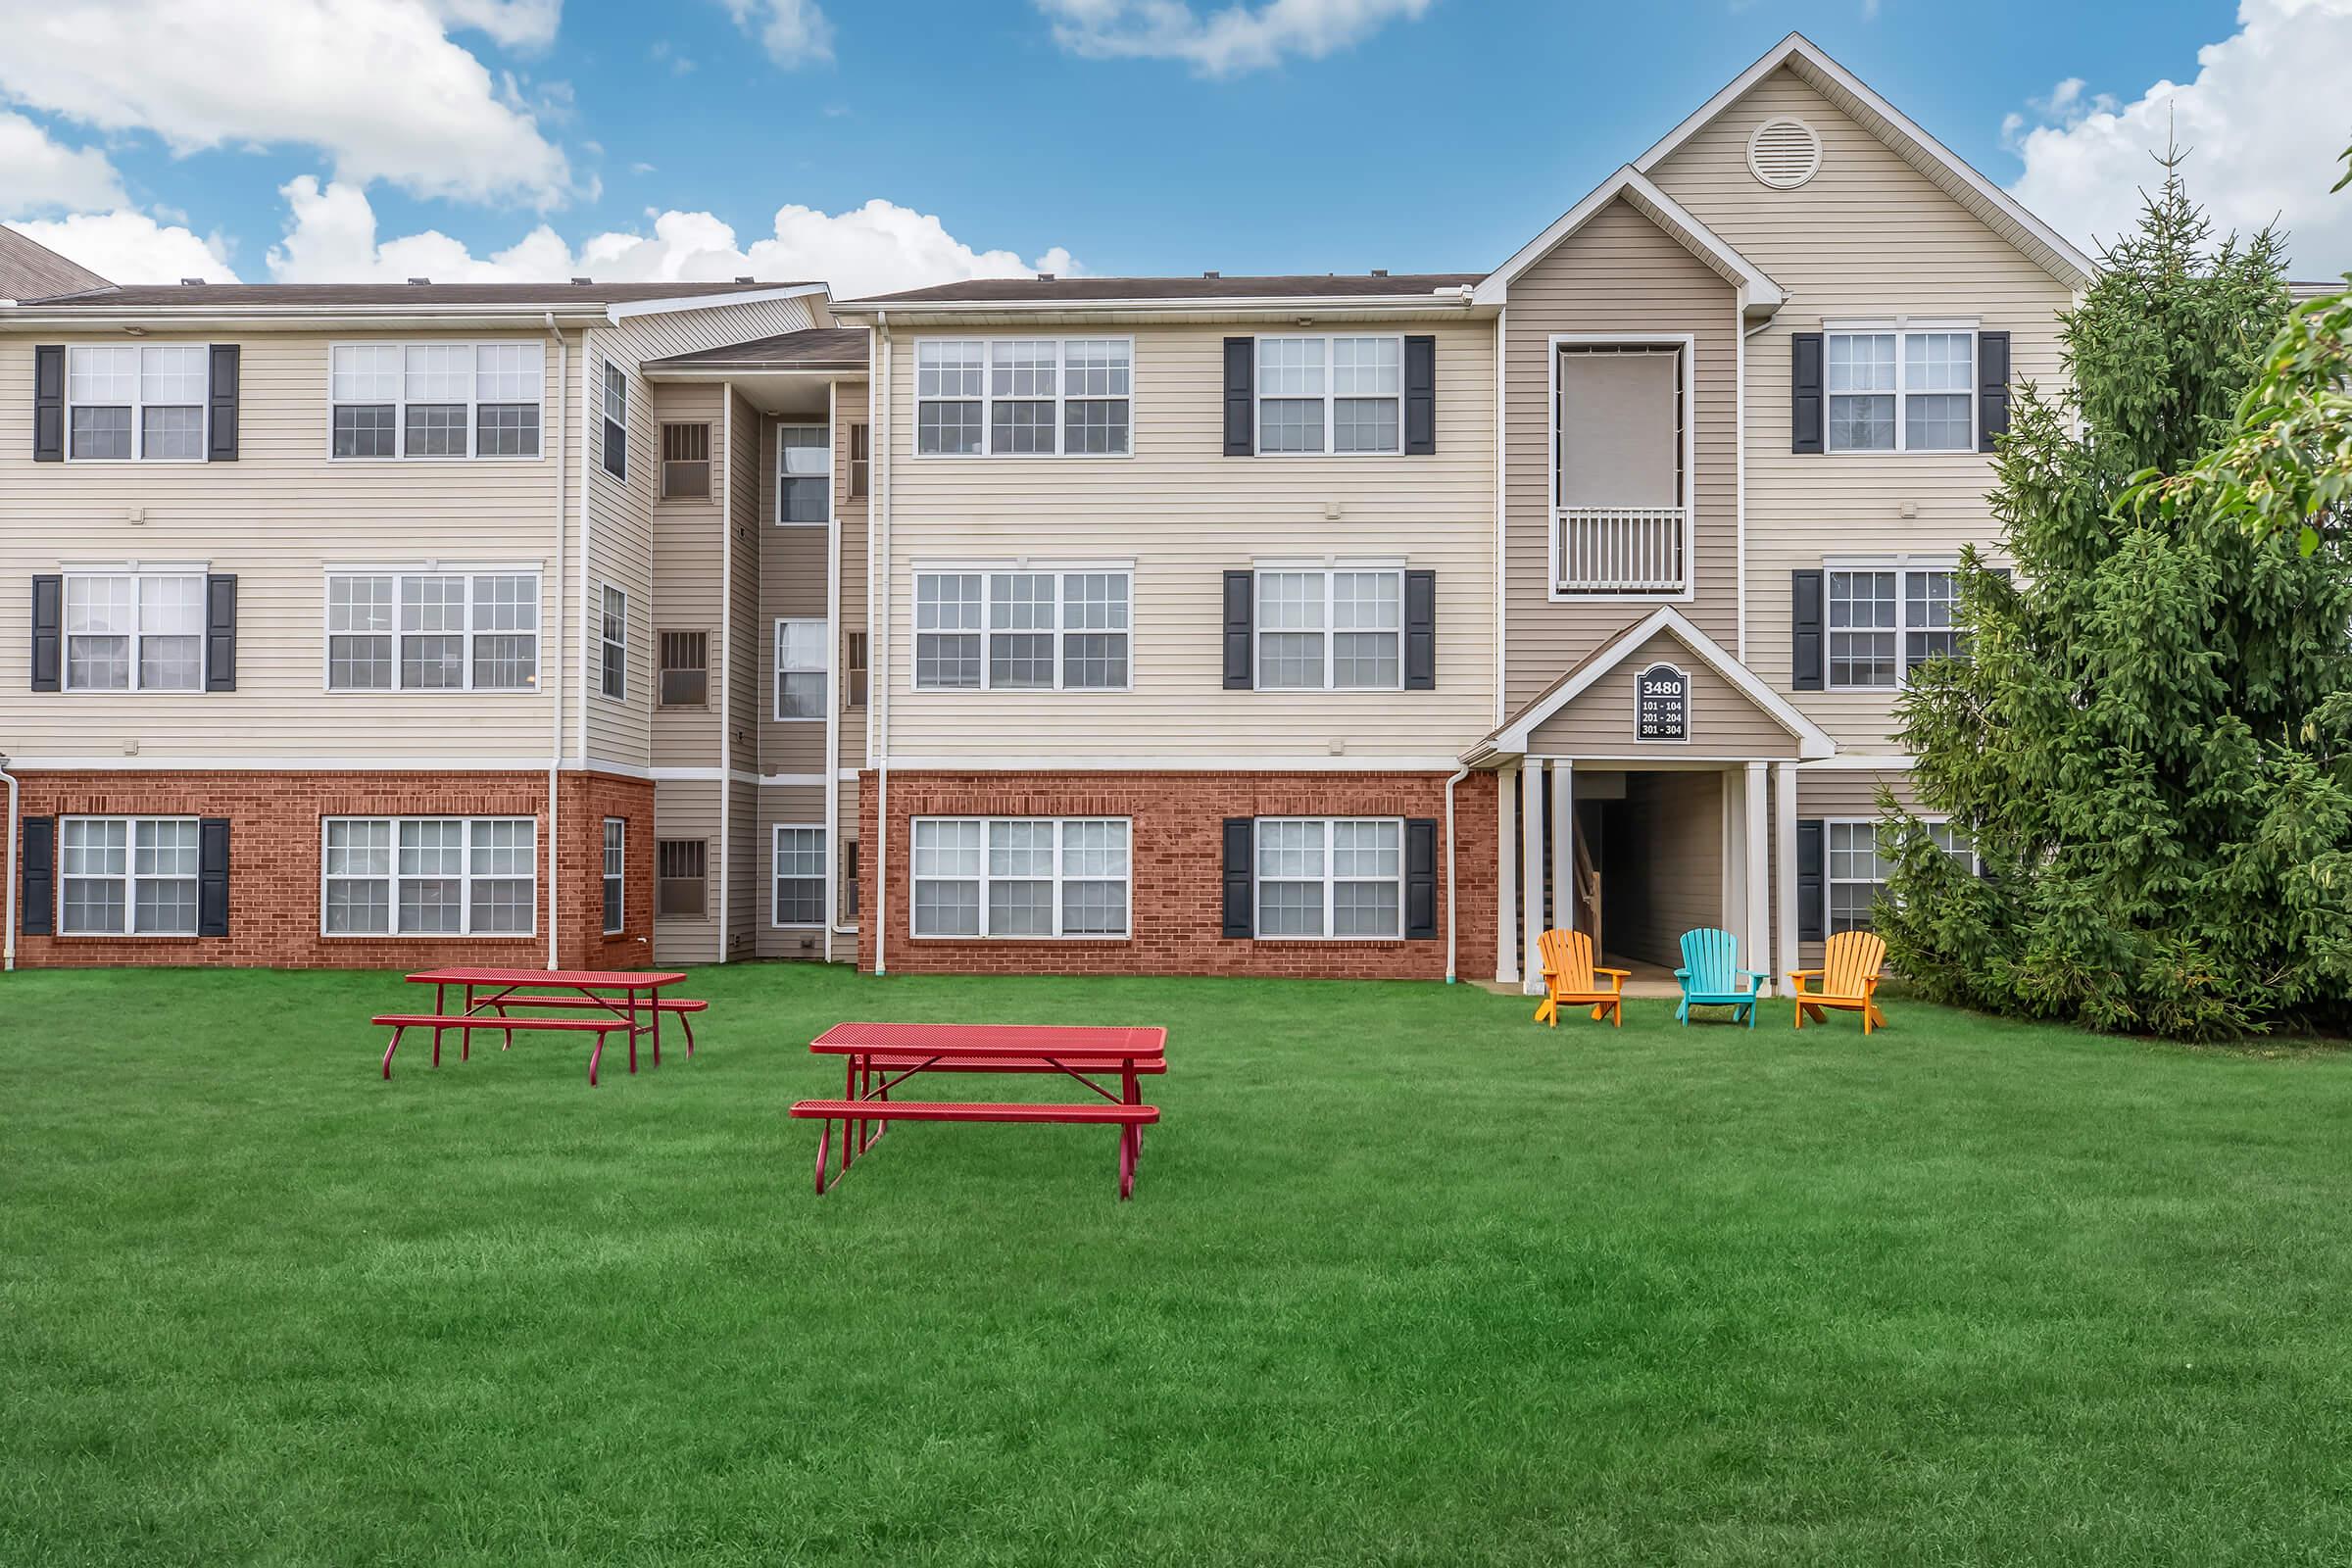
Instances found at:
x=1034 y=877
x=1861 y=861
x=1329 y=877
x=800 y=669
x=432 y=631
x=447 y=876
x=1343 y=395
x=134 y=632
x=1901 y=391
x=136 y=401
x=1024 y=397
x=804 y=473
x=800 y=879
x=685 y=670
x=1885 y=624
x=681 y=889
x=612 y=644
x=1022 y=630
x=128 y=876
x=1337 y=630
x=435 y=400
x=685 y=462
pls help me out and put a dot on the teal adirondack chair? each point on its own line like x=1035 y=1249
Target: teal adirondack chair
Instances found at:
x=1712 y=977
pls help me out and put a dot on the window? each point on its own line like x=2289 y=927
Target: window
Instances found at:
x=1342 y=877
x=432 y=631
x=1024 y=397
x=1334 y=630
x=1020 y=878
x=616 y=444
x=128 y=876
x=435 y=400
x=849 y=879
x=1885 y=624
x=854 y=667
x=804 y=472
x=145 y=401
x=612 y=644
x=616 y=872
x=1331 y=394
x=800 y=669
x=860 y=460
x=679 y=888
x=1904 y=391
x=447 y=876
x=685 y=670
x=799 y=890
x=1022 y=630
x=685 y=462
x=134 y=632
x=1859 y=859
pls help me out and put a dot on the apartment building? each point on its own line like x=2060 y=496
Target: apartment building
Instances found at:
x=1336 y=625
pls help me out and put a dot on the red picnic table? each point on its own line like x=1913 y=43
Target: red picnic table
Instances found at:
x=637 y=1007
x=879 y=1056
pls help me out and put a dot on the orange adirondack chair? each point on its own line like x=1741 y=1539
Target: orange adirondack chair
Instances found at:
x=1568 y=977
x=1847 y=978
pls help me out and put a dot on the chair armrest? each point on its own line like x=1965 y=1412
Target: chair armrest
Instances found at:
x=1805 y=974
x=1682 y=974
x=1754 y=974
x=1622 y=974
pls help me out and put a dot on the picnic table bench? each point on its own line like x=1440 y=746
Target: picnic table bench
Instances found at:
x=636 y=1010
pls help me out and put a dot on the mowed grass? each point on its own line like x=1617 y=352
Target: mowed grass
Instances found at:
x=1407 y=1280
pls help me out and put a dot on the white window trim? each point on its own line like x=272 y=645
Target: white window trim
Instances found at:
x=130 y=879
x=138 y=571
x=1326 y=570
x=612 y=377
x=469 y=572
x=775 y=851
x=1830 y=881
x=1903 y=326
x=1057 y=570
x=474 y=403
x=1258 y=393
x=782 y=669
x=783 y=425
x=621 y=877
x=987 y=399
x=1902 y=568
x=603 y=642
x=1687 y=342
x=466 y=879
x=1257 y=923
x=138 y=425
x=1060 y=824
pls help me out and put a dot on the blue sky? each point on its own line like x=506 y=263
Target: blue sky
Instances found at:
x=1307 y=135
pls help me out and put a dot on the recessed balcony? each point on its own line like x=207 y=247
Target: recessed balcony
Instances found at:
x=1621 y=549
x=1621 y=476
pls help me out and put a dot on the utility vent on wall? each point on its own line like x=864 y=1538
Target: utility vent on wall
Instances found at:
x=1783 y=153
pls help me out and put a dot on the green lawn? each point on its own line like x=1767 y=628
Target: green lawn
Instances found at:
x=1407 y=1280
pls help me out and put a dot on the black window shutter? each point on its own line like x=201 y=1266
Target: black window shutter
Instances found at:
x=49 y=403
x=1806 y=636
x=1805 y=401
x=1420 y=396
x=36 y=902
x=212 y=877
x=223 y=446
x=1240 y=588
x=48 y=629
x=1420 y=631
x=1812 y=890
x=1420 y=878
x=220 y=632
x=1240 y=416
x=1238 y=836
x=1993 y=388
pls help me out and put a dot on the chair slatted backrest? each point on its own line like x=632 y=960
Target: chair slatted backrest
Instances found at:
x=1568 y=959
x=1850 y=960
x=1713 y=959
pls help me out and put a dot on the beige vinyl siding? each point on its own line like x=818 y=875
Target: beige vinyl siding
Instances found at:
x=688 y=809
x=747 y=909
x=1618 y=274
x=746 y=545
x=1667 y=871
x=659 y=334
x=1600 y=720
x=792 y=587
x=278 y=519
x=791 y=806
x=1868 y=236
x=619 y=551
x=1185 y=515
x=851 y=405
x=688 y=537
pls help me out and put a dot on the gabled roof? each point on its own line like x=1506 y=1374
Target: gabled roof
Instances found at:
x=1942 y=167
x=1207 y=286
x=29 y=270
x=203 y=296
x=1762 y=295
x=816 y=347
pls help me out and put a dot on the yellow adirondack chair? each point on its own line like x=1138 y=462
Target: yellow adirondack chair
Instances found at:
x=1847 y=979
x=1568 y=978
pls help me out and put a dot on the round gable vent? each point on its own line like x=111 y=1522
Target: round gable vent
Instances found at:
x=1783 y=153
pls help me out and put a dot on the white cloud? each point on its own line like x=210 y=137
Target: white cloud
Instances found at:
x=793 y=33
x=331 y=239
x=2262 y=129
x=132 y=248
x=378 y=85
x=1224 y=42
x=36 y=173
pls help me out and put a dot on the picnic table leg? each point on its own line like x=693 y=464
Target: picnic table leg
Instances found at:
x=465 y=1036
x=597 y=1055
x=824 y=1139
x=440 y=1010
x=686 y=1022
x=656 y=1011
x=388 y=1049
x=633 y=1032
x=1127 y=1157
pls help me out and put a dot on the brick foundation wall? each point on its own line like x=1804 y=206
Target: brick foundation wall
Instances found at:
x=274 y=850
x=1176 y=891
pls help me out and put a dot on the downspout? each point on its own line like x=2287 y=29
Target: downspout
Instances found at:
x=1459 y=774
x=726 y=664
x=555 y=708
x=878 y=657
x=836 y=440
x=8 y=945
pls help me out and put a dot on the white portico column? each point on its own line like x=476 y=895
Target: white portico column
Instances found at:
x=1563 y=846
x=1784 y=856
x=1531 y=839
x=1755 y=942
x=1507 y=876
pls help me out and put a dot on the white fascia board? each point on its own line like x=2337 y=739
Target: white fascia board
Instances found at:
x=619 y=312
x=1763 y=296
x=1452 y=301
x=175 y=318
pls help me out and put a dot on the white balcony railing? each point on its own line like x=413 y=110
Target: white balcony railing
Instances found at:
x=1621 y=549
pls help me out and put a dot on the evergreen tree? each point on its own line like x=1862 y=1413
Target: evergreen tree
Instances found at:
x=2147 y=733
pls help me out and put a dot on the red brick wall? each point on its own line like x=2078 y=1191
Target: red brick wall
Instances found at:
x=275 y=847
x=1177 y=892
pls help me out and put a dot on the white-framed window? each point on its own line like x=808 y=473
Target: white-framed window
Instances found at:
x=136 y=402
x=1024 y=397
x=1035 y=877
x=798 y=893
x=435 y=400
x=1329 y=877
x=429 y=876
x=1907 y=390
x=432 y=631
x=1860 y=862
x=801 y=682
x=1027 y=630
x=616 y=873
x=1335 y=629
x=613 y=446
x=612 y=644
x=1885 y=622
x=804 y=473
x=128 y=876
x=134 y=632
x=1341 y=395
